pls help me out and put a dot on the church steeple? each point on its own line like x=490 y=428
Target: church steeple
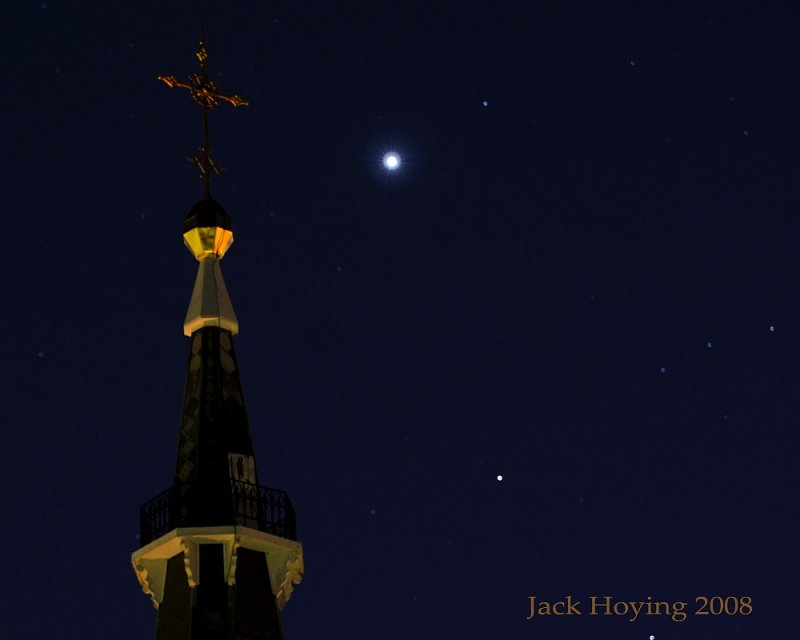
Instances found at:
x=219 y=556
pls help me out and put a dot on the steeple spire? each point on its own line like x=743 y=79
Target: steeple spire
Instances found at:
x=219 y=556
x=207 y=230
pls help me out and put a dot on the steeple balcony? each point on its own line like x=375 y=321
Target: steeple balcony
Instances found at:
x=253 y=506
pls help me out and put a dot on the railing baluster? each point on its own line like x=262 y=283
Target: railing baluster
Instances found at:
x=262 y=508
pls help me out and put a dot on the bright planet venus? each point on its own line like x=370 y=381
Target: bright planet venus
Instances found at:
x=391 y=160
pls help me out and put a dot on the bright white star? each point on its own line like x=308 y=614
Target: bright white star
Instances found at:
x=391 y=161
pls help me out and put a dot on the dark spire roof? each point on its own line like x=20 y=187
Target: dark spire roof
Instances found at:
x=207 y=213
x=215 y=445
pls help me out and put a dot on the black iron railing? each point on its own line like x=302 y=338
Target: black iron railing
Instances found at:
x=157 y=516
x=252 y=505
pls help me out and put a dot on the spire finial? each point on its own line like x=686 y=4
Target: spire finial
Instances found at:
x=204 y=92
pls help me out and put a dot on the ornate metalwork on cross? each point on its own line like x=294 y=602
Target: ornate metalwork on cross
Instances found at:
x=204 y=91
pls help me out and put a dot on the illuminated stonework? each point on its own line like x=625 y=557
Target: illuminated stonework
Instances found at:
x=208 y=242
x=210 y=305
x=284 y=558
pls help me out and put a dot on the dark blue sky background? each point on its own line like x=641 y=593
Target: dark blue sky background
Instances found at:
x=588 y=286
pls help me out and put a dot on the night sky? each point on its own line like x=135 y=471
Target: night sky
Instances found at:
x=583 y=279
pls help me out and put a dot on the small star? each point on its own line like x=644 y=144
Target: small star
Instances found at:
x=663 y=369
x=746 y=132
x=632 y=63
x=499 y=478
x=485 y=103
x=709 y=345
x=40 y=354
x=372 y=512
x=772 y=328
x=652 y=638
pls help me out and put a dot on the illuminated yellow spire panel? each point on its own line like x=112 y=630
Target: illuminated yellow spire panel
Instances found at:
x=208 y=233
x=208 y=242
x=210 y=305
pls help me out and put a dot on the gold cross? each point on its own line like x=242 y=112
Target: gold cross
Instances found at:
x=205 y=93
